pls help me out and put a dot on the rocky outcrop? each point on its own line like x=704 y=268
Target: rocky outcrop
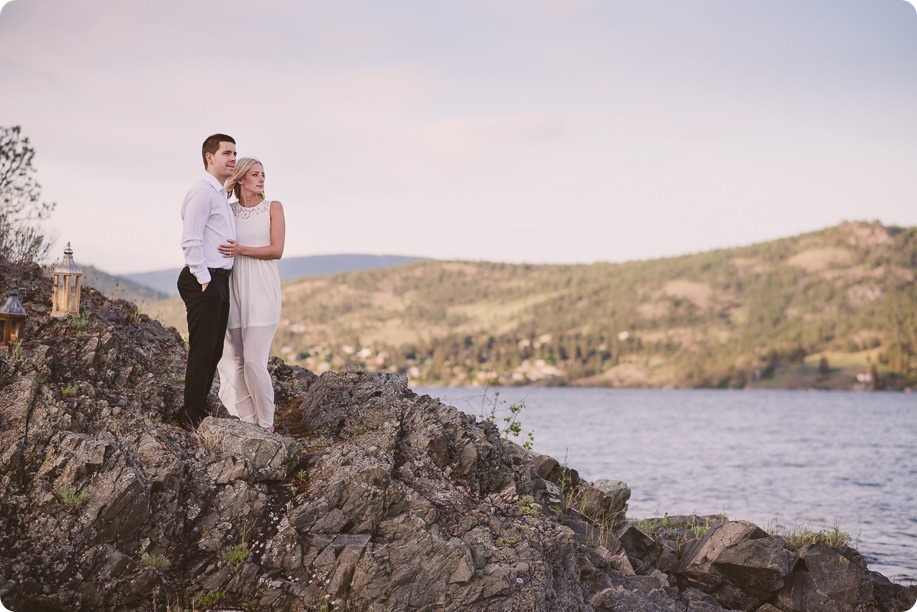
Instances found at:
x=372 y=498
x=744 y=568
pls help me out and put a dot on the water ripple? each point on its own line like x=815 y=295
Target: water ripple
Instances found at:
x=773 y=457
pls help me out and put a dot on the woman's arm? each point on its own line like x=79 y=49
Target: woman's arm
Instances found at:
x=272 y=251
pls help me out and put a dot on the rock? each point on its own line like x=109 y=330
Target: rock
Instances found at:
x=760 y=566
x=638 y=593
x=887 y=595
x=698 y=601
x=695 y=567
x=641 y=549
x=242 y=451
x=837 y=579
x=549 y=469
x=604 y=501
x=613 y=558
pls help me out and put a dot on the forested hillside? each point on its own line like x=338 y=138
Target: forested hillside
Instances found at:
x=816 y=310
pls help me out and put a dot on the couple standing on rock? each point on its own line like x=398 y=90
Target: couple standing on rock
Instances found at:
x=230 y=285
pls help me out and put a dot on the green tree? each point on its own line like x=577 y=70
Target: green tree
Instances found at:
x=21 y=207
x=903 y=324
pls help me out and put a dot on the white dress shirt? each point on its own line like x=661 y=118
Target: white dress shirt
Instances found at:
x=207 y=222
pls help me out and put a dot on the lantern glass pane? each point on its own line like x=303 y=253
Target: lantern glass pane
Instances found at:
x=59 y=295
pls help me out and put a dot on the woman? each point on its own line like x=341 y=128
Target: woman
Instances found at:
x=254 y=296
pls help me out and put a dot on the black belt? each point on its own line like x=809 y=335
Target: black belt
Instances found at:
x=220 y=272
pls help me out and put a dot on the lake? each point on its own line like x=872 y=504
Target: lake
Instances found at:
x=780 y=459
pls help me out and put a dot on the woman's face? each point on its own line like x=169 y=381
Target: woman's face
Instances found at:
x=254 y=179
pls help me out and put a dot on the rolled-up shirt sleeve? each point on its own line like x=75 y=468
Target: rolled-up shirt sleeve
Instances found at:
x=195 y=211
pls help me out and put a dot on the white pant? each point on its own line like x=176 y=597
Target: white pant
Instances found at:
x=245 y=384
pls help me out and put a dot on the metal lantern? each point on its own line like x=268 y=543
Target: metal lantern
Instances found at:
x=12 y=319
x=65 y=299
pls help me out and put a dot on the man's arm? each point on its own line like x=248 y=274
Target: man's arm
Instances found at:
x=195 y=212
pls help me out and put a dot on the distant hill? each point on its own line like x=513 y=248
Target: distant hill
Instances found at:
x=119 y=287
x=830 y=309
x=290 y=268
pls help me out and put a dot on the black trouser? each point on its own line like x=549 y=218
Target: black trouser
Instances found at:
x=208 y=313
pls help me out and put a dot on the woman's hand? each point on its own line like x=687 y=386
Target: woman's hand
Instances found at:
x=230 y=249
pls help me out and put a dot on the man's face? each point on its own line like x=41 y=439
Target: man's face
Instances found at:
x=222 y=163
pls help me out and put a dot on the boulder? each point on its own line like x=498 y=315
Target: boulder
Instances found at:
x=604 y=501
x=829 y=578
x=758 y=566
x=696 y=565
x=243 y=451
x=641 y=548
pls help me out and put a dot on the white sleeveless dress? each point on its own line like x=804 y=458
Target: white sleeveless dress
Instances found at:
x=246 y=388
x=254 y=286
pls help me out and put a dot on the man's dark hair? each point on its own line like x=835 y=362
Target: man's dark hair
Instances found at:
x=212 y=145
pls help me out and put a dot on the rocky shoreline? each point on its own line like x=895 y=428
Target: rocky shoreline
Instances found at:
x=373 y=498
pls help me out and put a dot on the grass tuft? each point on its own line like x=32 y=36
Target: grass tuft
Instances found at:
x=211 y=599
x=802 y=535
x=70 y=390
x=236 y=555
x=160 y=562
x=72 y=499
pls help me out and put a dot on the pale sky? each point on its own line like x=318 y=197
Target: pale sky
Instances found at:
x=543 y=131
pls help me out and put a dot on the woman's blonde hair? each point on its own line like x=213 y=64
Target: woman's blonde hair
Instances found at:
x=234 y=183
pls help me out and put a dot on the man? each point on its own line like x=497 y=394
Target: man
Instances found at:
x=203 y=283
